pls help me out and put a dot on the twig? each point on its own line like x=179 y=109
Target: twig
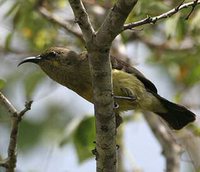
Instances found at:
x=7 y=104
x=10 y=162
x=82 y=18
x=193 y=6
x=59 y=21
x=171 y=150
x=153 y=20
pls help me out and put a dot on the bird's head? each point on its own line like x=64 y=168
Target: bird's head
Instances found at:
x=60 y=64
x=55 y=57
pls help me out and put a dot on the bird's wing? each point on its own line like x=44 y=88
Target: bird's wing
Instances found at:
x=122 y=65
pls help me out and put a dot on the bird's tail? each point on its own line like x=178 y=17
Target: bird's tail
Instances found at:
x=176 y=116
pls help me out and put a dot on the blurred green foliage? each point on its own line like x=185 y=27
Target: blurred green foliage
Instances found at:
x=173 y=44
x=183 y=66
x=32 y=27
x=84 y=138
x=2 y=83
x=29 y=138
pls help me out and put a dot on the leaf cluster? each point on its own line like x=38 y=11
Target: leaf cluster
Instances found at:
x=173 y=44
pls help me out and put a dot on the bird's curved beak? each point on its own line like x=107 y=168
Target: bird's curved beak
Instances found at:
x=31 y=60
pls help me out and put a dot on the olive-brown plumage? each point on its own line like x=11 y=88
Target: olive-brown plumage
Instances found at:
x=131 y=88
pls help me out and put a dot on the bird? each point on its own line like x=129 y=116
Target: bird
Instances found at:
x=131 y=89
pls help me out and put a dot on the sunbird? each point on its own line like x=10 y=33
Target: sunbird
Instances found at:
x=131 y=89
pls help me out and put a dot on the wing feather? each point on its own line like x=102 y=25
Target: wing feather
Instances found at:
x=122 y=65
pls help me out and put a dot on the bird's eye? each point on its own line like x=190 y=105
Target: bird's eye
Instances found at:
x=52 y=54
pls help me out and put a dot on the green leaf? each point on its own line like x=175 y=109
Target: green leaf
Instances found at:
x=71 y=128
x=194 y=25
x=158 y=7
x=84 y=137
x=193 y=76
x=14 y=8
x=16 y=19
x=2 y=83
x=29 y=134
x=181 y=28
x=171 y=25
x=8 y=41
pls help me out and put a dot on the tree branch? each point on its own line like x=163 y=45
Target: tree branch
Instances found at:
x=113 y=24
x=82 y=18
x=153 y=20
x=98 y=47
x=102 y=84
x=171 y=150
x=57 y=20
x=7 y=104
x=10 y=162
x=193 y=7
x=191 y=144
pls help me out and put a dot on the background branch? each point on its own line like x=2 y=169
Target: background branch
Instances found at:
x=191 y=144
x=152 y=44
x=10 y=162
x=82 y=18
x=59 y=21
x=153 y=20
x=171 y=150
x=7 y=104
